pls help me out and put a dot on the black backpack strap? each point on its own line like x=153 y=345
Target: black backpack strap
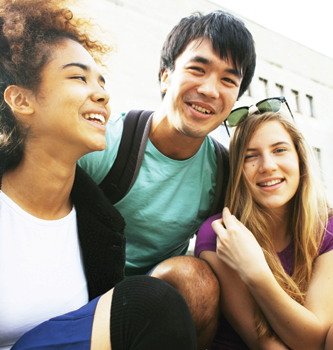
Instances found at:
x=223 y=170
x=126 y=166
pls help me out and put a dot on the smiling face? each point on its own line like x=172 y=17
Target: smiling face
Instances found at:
x=71 y=108
x=272 y=166
x=201 y=90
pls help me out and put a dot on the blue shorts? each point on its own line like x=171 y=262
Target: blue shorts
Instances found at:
x=70 y=331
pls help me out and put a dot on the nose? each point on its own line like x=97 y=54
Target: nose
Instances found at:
x=267 y=164
x=209 y=87
x=100 y=95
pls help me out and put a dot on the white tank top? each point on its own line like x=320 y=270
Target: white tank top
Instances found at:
x=41 y=270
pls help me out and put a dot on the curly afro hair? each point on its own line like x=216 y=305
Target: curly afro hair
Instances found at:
x=28 y=30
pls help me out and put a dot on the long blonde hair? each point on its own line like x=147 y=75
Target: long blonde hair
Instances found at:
x=307 y=222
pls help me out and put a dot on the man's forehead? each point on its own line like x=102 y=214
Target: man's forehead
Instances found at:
x=201 y=50
x=198 y=44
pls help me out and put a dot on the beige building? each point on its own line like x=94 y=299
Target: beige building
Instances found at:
x=284 y=67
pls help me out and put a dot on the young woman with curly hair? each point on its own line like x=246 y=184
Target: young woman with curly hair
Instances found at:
x=272 y=248
x=62 y=249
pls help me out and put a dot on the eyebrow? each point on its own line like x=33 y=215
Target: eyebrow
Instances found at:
x=203 y=60
x=84 y=67
x=272 y=145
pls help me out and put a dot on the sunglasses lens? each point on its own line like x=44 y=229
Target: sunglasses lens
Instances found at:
x=237 y=116
x=269 y=106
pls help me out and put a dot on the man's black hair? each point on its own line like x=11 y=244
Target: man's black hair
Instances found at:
x=227 y=34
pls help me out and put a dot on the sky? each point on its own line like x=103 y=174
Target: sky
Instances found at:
x=308 y=23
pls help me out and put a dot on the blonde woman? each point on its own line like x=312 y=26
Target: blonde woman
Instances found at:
x=272 y=248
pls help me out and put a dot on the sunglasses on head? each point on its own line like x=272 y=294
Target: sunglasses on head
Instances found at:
x=272 y=104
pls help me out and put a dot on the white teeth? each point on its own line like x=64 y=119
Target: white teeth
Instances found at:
x=270 y=183
x=95 y=117
x=200 y=109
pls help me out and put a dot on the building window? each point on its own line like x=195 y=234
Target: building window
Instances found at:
x=262 y=88
x=309 y=105
x=294 y=104
x=316 y=152
x=278 y=90
x=317 y=155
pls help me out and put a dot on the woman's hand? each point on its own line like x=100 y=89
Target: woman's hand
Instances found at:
x=237 y=247
x=299 y=327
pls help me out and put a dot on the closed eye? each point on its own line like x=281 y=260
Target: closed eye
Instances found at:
x=199 y=69
x=250 y=157
x=228 y=80
x=79 y=77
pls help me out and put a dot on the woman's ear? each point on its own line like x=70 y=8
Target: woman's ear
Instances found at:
x=19 y=99
x=165 y=79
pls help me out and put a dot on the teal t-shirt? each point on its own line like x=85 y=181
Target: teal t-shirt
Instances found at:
x=168 y=202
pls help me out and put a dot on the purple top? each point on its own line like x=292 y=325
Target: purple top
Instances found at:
x=226 y=337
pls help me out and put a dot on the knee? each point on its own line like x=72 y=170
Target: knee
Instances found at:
x=190 y=276
x=195 y=280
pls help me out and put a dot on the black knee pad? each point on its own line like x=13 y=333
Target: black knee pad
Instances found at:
x=147 y=313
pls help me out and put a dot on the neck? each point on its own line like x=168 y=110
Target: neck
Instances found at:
x=169 y=141
x=279 y=227
x=41 y=186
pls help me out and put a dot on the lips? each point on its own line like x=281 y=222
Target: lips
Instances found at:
x=270 y=183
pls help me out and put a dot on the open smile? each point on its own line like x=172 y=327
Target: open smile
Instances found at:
x=96 y=118
x=270 y=185
x=201 y=109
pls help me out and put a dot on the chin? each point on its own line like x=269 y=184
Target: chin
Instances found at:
x=97 y=146
x=194 y=134
x=276 y=206
x=100 y=148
